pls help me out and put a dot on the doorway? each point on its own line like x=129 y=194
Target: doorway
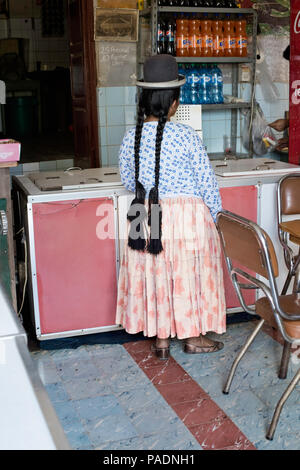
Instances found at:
x=36 y=64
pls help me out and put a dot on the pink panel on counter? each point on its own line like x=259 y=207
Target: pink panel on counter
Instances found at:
x=76 y=270
x=241 y=200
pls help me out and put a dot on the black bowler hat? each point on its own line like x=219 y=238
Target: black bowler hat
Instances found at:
x=161 y=71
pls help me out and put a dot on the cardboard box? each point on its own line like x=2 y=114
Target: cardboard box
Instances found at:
x=117 y=4
x=9 y=150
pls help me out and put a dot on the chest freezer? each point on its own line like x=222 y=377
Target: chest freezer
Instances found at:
x=251 y=167
x=71 y=227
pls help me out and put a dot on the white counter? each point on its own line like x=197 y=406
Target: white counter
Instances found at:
x=28 y=420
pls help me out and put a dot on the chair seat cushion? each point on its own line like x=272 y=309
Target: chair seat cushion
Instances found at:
x=290 y=304
x=295 y=239
x=292 y=227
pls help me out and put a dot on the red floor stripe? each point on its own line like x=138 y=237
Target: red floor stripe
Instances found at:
x=208 y=423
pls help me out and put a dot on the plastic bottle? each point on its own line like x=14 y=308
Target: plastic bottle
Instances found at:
x=216 y=85
x=241 y=37
x=194 y=38
x=207 y=40
x=199 y=38
x=218 y=38
x=193 y=79
x=182 y=38
x=205 y=80
x=220 y=85
x=229 y=37
x=183 y=98
x=160 y=38
x=170 y=37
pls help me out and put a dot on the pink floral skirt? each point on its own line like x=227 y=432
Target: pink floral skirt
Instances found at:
x=179 y=292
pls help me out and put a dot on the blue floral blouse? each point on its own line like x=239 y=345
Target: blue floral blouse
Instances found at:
x=184 y=165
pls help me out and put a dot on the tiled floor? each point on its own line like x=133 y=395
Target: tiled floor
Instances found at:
x=119 y=396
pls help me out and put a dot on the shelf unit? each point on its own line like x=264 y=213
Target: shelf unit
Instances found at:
x=156 y=10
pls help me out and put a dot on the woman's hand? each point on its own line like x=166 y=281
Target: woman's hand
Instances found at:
x=283 y=144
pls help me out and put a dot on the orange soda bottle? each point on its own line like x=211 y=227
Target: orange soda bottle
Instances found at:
x=241 y=37
x=194 y=38
x=229 y=38
x=207 y=40
x=182 y=38
x=218 y=39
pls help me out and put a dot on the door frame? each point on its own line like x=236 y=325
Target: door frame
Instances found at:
x=90 y=83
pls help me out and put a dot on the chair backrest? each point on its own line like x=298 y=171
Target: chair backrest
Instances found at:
x=246 y=243
x=289 y=192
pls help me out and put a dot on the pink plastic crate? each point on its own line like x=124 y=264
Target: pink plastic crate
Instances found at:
x=9 y=150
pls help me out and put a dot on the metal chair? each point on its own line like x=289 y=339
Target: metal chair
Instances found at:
x=246 y=244
x=288 y=204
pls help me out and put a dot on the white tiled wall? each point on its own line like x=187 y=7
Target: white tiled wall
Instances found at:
x=117 y=109
x=51 y=52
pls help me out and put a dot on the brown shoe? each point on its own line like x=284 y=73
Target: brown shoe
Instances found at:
x=161 y=353
x=193 y=349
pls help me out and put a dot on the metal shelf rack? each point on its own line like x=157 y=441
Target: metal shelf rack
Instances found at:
x=154 y=12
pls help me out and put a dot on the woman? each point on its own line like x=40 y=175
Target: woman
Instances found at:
x=171 y=280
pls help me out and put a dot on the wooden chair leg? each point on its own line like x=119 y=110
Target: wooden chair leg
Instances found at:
x=285 y=360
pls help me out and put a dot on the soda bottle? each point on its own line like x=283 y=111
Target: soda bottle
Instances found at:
x=216 y=85
x=205 y=79
x=229 y=37
x=194 y=38
x=218 y=39
x=199 y=38
x=241 y=37
x=170 y=38
x=183 y=98
x=182 y=38
x=193 y=79
x=206 y=36
x=220 y=85
x=160 y=38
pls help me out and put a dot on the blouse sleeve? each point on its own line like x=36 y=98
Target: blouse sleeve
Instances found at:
x=205 y=177
x=126 y=164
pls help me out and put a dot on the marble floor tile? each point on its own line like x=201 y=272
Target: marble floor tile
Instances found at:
x=111 y=427
x=175 y=440
x=219 y=434
x=91 y=410
x=57 y=392
x=76 y=368
x=121 y=397
x=161 y=418
x=136 y=399
x=68 y=416
x=90 y=387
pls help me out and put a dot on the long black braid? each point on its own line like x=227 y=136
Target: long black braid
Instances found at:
x=155 y=103
x=155 y=218
x=136 y=238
